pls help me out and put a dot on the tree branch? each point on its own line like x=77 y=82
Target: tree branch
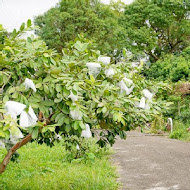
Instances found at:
x=151 y=54
x=7 y=158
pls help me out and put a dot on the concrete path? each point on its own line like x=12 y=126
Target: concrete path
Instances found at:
x=152 y=163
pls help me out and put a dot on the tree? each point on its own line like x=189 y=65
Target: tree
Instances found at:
x=67 y=92
x=157 y=27
x=98 y=22
x=171 y=67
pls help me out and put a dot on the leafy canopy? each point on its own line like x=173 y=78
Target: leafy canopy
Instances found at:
x=157 y=27
x=98 y=22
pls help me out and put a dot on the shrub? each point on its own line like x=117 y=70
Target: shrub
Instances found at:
x=67 y=92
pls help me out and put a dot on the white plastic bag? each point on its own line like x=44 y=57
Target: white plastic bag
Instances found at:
x=109 y=72
x=124 y=88
x=32 y=114
x=76 y=115
x=147 y=106
x=73 y=97
x=77 y=147
x=14 y=108
x=104 y=60
x=128 y=81
x=142 y=103
x=58 y=137
x=86 y=132
x=94 y=68
x=147 y=94
x=129 y=90
x=28 y=119
x=29 y=84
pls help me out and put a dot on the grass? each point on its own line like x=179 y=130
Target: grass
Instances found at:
x=44 y=168
x=180 y=132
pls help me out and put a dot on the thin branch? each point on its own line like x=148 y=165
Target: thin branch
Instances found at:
x=7 y=158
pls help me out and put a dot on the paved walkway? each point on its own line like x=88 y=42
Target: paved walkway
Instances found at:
x=152 y=163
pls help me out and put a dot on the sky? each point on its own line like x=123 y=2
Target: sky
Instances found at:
x=14 y=12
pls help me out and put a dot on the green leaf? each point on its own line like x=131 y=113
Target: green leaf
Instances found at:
x=46 y=55
x=7 y=134
x=66 y=92
x=104 y=110
x=35 y=133
x=22 y=26
x=106 y=93
x=81 y=124
x=15 y=95
x=11 y=90
x=65 y=109
x=44 y=129
x=57 y=100
x=75 y=125
x=29 y=23
x=61 y=121
x=2 y=134
x=115 y=116
x=122 y=121
x=67 y=128
x=59 y=116
x=58 y=88
x=55 y=71
x=39 y=85
x=122 y=134
x=46 y=89
x=48 y=103
x=29 y=40
x=92 y=79
x=52 y=60
x=67 y=120
x=74 y=92
x=5 y=79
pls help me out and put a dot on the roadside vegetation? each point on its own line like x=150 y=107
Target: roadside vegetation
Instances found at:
x=45 y=168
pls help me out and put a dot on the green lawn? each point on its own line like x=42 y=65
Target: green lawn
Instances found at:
x=41 y=167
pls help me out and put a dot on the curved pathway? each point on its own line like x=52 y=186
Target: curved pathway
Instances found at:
x=148 y=162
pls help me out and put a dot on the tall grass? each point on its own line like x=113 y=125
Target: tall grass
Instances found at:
x=44 y=168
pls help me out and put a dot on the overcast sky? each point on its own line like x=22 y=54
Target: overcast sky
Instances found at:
x=14 y=12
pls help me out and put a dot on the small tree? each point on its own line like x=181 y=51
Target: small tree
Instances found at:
x=67 y=92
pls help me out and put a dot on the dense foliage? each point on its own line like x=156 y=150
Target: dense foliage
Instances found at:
x=69 y=92
x=91 y=18
x=157 y=27
x=171 y=67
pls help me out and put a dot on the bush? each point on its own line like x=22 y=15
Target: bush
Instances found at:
x=180 y=131
x=172 y=67
x=68 y=92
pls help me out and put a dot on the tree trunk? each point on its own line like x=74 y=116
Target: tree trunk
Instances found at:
x=7 y=158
